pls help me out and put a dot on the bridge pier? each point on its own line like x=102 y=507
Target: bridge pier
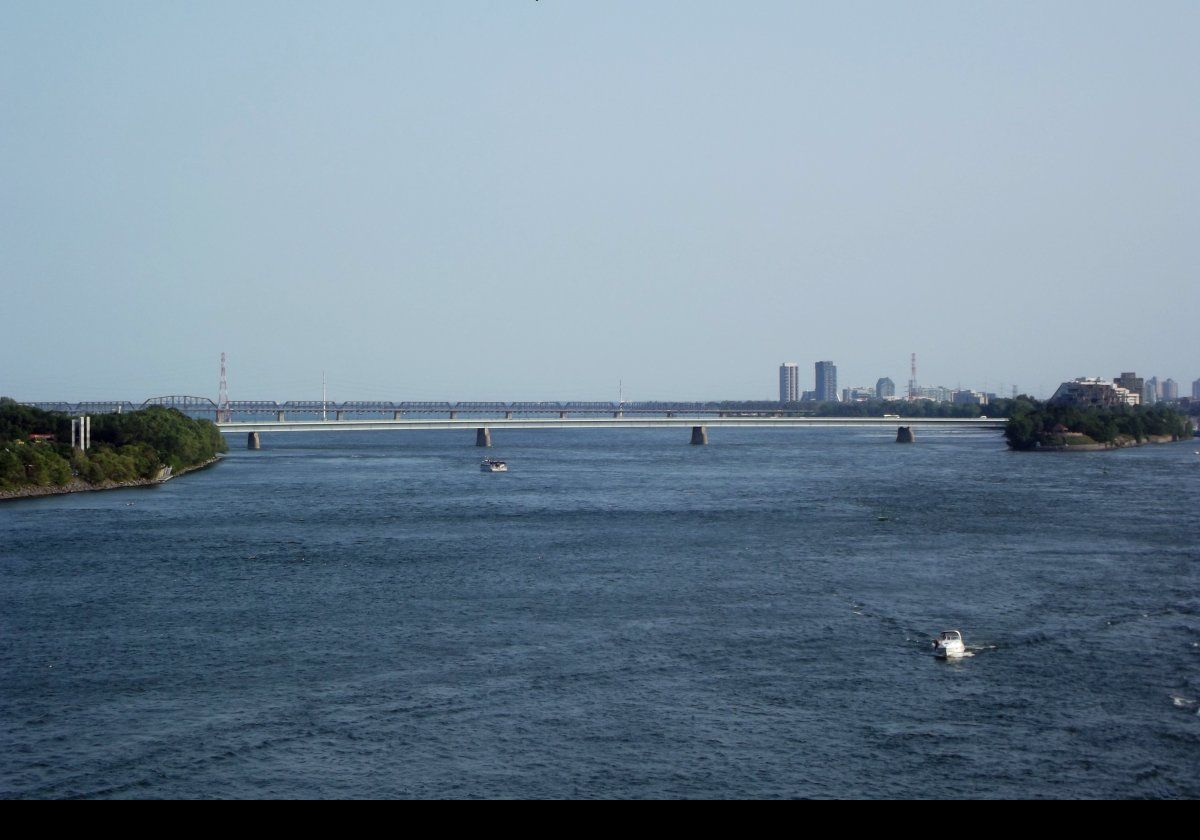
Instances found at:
x=904 y=434
x=508 y=415
x=453 y=414
x=341 y=415
x=562 y=415
x=253 y=441
x=699 y=435
x=396 y=415
x=483 y=437
x=279 y=418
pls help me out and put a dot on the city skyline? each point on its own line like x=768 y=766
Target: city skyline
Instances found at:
x=788 y=377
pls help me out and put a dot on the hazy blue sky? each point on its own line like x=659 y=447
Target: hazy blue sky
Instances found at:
x=522 y=200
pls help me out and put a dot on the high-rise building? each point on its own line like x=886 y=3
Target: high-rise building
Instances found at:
x=885 y=389
x=789 y=382
x=1151 y=393
x=1196 y=390
x=1170 y=390
x=826 y=382
x=1132 y=383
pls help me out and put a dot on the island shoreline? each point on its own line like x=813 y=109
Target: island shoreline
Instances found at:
x=77 y=485
x=1152 y=440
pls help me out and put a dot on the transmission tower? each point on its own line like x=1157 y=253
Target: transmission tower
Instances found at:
x=912 y=382
x=223 y=413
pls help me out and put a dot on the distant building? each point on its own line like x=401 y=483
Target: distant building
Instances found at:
x=1085 y=391
x=935 y=393
x=969 y=398
x=1170 y=390
x=1152 y=392
x=1196 y=390
x=1132 y=383
x=857 y=394
x=885 y=389
x=826 y=382
x=789 y=382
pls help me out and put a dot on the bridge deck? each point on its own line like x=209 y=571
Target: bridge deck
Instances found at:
x=639 y=422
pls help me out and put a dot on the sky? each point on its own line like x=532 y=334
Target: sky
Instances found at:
x=564 y=200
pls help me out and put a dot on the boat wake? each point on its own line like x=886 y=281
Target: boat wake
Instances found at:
x=913 y=635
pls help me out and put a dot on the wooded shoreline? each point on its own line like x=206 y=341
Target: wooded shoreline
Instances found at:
x=77 y=485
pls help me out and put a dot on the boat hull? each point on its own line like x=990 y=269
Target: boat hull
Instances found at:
x=950 y=650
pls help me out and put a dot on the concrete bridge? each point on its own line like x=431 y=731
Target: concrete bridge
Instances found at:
x=482 y=417
x=699 y=425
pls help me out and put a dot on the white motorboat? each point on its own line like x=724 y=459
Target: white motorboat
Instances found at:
x=491 y=465
x=949 y=645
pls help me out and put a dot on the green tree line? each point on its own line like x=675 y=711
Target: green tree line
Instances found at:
x=915 y=408
x=125 y=447
x=1046 y=424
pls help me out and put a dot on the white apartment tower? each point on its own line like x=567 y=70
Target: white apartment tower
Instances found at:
x=789 y=382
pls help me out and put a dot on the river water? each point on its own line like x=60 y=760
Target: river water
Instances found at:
x=620 y=615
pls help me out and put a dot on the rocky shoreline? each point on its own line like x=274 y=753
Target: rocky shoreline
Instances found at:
x=76 y=485
x=1122 y=442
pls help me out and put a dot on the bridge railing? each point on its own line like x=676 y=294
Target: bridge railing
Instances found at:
x=203 y=406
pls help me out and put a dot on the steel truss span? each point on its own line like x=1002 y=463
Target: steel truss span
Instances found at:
x=316 y=409
x=626 y=422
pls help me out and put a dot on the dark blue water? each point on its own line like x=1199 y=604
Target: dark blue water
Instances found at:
x=621 y=615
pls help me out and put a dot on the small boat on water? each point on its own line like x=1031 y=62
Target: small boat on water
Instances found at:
x=492 y=465
x=949 y=645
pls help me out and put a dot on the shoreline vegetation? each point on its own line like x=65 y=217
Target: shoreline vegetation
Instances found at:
x=1050 y=427
x=77 y=485
x=889 y=407
x=134 y=449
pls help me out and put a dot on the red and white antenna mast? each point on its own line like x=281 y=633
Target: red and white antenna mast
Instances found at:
x=223 y=413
